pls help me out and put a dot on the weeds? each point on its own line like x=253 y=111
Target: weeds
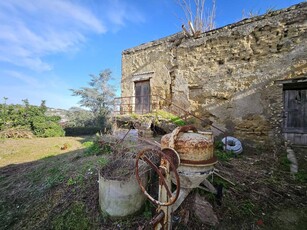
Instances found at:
x=216 y=181
x=106 y=149
x=173 y=118
x=16 y=133
x=223 y=156
x=301 y=176
x=92 y=148
x=123 y=224
x=102 y=161
x=56 y=176
x=209 y=196
x=247 y=208
x=75 y=180
x=96 y=148
x=147 y=210
x=72 y=218
x=87 y=144
x=220 y=153
x=32 y=193
x=218 y=145
x=71 y=181
x=284 y=162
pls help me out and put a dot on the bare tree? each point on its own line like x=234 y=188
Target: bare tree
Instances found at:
x=198 y=18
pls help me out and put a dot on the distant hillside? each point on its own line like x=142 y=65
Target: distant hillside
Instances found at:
x=58 y=112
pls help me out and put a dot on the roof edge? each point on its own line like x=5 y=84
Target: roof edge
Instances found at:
x=228 y=26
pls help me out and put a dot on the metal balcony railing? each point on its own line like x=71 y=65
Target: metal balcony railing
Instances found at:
x=151 y=103
x=135 y=104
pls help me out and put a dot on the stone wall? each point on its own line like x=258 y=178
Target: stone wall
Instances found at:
x=227 y=75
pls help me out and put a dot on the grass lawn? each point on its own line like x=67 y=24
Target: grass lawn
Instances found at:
x=45 y=187
x=14 y=151
x=51 y=183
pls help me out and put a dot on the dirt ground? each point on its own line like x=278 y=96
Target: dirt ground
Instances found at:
x=60 y=191
x=265 y=194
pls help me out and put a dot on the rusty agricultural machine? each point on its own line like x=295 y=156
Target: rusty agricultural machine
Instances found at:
x=186 y=160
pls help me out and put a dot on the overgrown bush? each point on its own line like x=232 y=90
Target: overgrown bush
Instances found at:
x=98 y=147
x=47 y=129
x=29 y=117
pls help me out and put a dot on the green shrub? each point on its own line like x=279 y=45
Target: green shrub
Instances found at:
x=96 y=148
x=46 y=128
x=93 y=148
x=88 y=144
x=29 y=117
x=54 y=131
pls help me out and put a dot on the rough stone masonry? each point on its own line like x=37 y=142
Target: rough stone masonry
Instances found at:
x=228 y=75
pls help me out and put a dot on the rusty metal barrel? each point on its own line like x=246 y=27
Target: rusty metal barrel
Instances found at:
x=195 y=150
x=193 y=147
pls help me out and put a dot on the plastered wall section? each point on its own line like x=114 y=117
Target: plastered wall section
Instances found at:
x=229 y=74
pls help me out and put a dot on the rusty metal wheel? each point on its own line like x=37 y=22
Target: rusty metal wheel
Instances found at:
x=168 y=155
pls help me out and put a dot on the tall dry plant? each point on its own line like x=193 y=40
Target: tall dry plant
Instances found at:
x=198 y=18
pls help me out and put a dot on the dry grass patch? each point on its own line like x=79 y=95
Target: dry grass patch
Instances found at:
x=15 y=151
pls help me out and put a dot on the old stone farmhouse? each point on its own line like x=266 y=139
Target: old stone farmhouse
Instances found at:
x=249 y=78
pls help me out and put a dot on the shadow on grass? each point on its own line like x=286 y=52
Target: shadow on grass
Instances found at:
x=61 y=192
x=55 y=192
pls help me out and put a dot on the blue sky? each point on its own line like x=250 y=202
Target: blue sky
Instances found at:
x=50 y=46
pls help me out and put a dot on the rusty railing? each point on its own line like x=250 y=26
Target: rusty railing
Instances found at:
x=128 y=105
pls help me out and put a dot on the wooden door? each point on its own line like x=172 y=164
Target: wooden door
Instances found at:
x=142 y=97
x=295 y=102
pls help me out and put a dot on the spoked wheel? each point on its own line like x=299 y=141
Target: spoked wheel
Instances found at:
x=167 y=156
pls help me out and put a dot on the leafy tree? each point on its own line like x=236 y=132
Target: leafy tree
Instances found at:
x=43 y=106
x=78 y=117
x=98 y=96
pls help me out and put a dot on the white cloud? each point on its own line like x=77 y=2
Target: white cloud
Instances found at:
x=119 y=12
x=31 y=30
x=27 y=80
